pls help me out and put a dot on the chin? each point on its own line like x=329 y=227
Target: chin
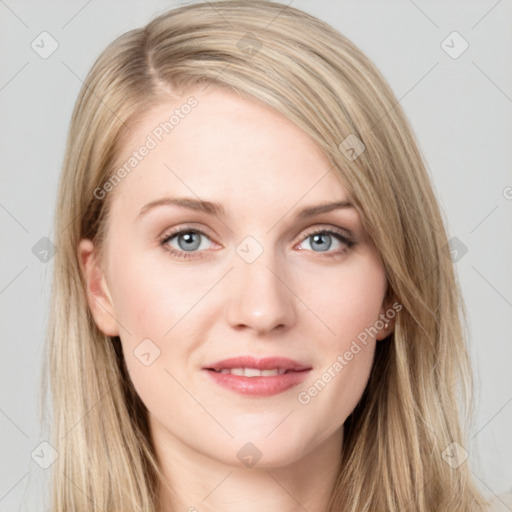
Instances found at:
x=263 y=453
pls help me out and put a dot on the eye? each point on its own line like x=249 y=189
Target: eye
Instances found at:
x=329 y=241
x=188 y=243
x=185 y=243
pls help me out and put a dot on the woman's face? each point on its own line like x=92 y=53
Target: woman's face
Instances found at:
x=215 y=251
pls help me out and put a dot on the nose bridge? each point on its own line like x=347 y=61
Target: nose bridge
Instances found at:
x=258 y=296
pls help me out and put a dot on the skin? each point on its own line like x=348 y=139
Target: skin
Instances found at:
x=295 y=300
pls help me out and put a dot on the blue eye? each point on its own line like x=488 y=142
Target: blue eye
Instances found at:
x=322 y=241
x=188 y=240
x=188 y=243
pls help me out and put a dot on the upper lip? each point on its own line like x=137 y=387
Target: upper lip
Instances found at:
x=266 y=363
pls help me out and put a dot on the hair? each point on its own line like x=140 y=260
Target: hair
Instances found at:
x=418 y=399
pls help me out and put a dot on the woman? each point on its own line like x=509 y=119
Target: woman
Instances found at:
x=253 y=304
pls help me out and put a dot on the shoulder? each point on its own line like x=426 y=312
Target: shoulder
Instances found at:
x=501 y=503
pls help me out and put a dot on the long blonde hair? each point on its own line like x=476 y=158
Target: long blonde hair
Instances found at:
x=395 y=442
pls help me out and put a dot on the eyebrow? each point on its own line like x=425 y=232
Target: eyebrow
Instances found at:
x=216 y=209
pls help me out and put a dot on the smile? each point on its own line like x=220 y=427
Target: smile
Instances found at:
x=265 y=377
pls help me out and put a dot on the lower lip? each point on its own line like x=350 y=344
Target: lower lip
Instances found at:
x=259 y=386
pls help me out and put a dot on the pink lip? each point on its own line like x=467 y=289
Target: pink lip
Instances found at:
x=259 y=386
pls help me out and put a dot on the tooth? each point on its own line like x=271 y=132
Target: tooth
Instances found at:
x=252 y=372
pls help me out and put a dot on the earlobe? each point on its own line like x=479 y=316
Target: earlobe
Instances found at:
x=385 y=324
x=98 y=294
x=386 y=330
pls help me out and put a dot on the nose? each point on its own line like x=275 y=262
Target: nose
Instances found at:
x=259 y=297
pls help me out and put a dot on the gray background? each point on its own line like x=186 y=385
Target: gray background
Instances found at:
x=460 y=109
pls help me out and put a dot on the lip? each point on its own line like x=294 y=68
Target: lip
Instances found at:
x=266 y=363
x=258 y=386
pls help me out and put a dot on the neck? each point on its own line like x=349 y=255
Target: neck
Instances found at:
x=202 y=484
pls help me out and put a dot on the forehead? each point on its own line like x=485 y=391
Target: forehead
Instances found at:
x=222 y=147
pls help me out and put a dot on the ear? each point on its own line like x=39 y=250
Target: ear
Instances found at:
x=386 y=320
x=98 y=295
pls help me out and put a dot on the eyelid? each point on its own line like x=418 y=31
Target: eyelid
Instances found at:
x=344 y=233
x=168 y=235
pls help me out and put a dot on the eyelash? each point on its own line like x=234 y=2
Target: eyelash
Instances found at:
x=344 y=239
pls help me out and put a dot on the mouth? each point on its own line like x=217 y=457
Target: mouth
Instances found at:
x=248 y=375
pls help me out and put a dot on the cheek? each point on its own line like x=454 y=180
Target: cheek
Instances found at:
x=161 y=316
x=152 y=309
x=347 y=300
x=149 y=299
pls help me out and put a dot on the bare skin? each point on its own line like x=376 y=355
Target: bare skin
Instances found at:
x=304 y=297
